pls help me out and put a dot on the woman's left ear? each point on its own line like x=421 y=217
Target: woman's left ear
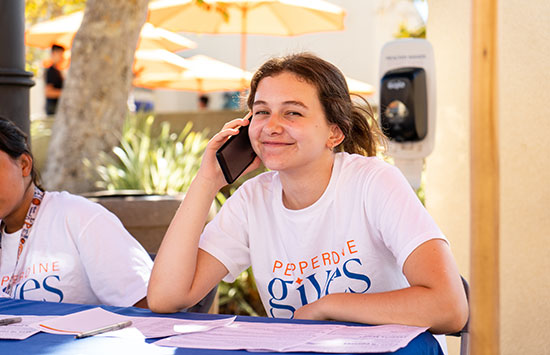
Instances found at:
x=26 y=164
x=336 y=136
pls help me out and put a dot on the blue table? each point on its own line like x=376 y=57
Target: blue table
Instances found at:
x=44 y=343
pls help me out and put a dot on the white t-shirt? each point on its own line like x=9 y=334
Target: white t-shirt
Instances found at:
x=77 y=252
x=355 y=238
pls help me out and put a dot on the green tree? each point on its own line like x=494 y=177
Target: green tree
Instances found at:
x=41 y=10
x=405 y=32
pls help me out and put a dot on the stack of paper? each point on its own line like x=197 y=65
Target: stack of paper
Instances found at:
x=284 y=337
x=225 y=333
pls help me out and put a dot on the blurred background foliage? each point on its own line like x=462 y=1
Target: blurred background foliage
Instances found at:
x=41 y=10
x=240 y=297
x=405 y=32
x=160 y=162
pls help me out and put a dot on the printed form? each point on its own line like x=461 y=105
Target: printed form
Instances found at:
x=292 y=337
x=375 y=339
x=21 y=330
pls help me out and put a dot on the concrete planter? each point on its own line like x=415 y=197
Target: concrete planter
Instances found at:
x=146 y=217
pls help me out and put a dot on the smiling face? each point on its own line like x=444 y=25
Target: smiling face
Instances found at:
x=289 y=130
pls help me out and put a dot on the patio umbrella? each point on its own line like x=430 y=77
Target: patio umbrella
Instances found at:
x=265 y=17
x=203 y=74
x=146 y=62
x=359 y=87
x=61 y=31
x=149 y=62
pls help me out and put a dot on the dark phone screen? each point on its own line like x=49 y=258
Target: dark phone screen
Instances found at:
x=236 y=155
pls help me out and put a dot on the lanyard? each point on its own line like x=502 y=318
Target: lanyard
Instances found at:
x=29 y=221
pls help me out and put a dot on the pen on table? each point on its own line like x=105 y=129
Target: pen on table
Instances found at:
x=7 y=321
x=106 y=329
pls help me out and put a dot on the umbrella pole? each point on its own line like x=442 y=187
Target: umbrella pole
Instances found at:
x=243 y=39
x=243 y=51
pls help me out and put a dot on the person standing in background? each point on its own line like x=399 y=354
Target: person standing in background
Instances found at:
x=203 y=102
x=54 y=80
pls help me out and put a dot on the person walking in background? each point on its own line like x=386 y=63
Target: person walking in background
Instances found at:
x=60 y=247
x=203 y=102
x=54 y=79
x=331 y=232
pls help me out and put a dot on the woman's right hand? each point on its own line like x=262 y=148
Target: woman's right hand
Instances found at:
x=182 y=273
x=210 y=169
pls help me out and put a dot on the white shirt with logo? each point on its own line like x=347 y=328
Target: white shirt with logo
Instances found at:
x=354 y=239
x=77 y=252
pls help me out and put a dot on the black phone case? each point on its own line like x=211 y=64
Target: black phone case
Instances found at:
x=235 y=155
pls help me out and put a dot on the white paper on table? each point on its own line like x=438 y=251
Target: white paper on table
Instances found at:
x=80 y=322
x=362 y=339
x=149 y=327
x=257 y=336
x=21 y=330
x=292 y=337
x=156 y=327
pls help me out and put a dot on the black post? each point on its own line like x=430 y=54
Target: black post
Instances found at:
x=15 y=82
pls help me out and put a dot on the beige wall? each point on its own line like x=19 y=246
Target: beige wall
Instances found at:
x=524 y=123
x=447 y=168
x=524 y=74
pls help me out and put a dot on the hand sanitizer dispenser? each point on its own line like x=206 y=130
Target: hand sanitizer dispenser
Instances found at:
x=407 y=103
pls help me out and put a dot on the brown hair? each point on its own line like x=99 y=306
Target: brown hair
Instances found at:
x=13 y=141
x=361 y=131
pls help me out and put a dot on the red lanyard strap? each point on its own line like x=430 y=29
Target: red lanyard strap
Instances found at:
x=27 y=225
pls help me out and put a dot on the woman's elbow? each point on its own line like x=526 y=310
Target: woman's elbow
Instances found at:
x=462 y=314
x=160 y=301
x=456 y=316
x=161 y=307
x=158 y=304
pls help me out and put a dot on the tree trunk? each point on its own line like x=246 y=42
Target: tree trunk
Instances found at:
x=93 y=105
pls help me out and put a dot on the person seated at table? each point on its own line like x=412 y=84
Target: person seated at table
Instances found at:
x=331 y=232
x=60 y=247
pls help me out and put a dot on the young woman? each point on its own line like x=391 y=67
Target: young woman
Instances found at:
x=60 y=247
x=329 y=232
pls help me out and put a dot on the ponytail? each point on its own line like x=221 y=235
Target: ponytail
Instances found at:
x=363 y=135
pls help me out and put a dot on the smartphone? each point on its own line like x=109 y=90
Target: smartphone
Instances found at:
x=235 y=155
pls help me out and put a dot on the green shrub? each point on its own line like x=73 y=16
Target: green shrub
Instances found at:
x=165 y=163
x=240 y=297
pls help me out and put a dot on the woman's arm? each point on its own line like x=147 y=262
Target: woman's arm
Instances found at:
x=435 y=299
x=177 y=280
x=183 y=274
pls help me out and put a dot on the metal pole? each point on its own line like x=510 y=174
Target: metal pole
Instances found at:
x=15 y=82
